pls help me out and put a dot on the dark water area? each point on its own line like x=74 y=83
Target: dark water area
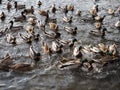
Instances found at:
x=48 y=76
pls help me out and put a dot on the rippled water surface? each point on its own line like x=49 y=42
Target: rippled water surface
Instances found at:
x=48 y=77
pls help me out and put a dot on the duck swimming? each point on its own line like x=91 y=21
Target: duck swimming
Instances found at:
x=9 y=6
x=67 y=20
x=29 y=10
x=53 y=8
x=31 y=21
x=77 y=52
x=40 y=25
x=110 y=11
x=56 y=47
x=30 y=30
x=18 y=6
x=11 y=39
x=2 y=16
x=117 y=24
x=39 y=3
x=36 y=56
x=20 y=18
x=70 y=8
x=53 y=26
x=44 y=13
x=98 y=25
x=14 y=28
x=71 y=30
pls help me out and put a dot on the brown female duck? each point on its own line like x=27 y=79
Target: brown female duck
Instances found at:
x=9 y=6
x=11 y=39
x=53 y=26
x=2 y=16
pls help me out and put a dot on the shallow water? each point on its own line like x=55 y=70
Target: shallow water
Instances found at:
x=48 y=77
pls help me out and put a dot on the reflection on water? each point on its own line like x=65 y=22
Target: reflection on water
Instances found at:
x=49 y=77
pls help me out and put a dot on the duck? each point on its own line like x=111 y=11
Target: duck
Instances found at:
x=11 y=39
x=20 y=6
x=71 y=42
x=53 y=35
x=112 y=50
x=20 y=18
x=71 y=30
x=103 y=48
x=31 y=21
x=36 y=36
x=29 y=10
x=36 y=56
x=46 y=49
x=70 y=8
x=50 y=20
x=9 y=6
x=30 y=30
x=39 y=3
x=98 y=33
x=98 y=25
x=78 y=12
x=67 y=20
x=2 y=31
x=7 y=60
x=53 y=8
x=94 y=10
x=77 y=51
x=14 y=28
x=44 y=13
x=69 y=64
x=86 y=66
x=64 y=9
x=40 y=25
x=56 y=47
x=53 y=26
x=26 y=38
x=2 y=16
x=110 y=11
x=22 y=67
x=99 y=18
x=117 y=24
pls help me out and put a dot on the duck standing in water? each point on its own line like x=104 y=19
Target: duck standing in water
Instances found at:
x=36 y=56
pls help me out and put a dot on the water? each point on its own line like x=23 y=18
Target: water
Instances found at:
x=49 y=77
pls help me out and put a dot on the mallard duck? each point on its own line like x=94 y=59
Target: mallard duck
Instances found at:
x=22 y=67
x=29 y=10
x=78 y=12
x=70 y=64
x=94 y=11
x=14 y=28
x=77 y=52
x=30 y=29
x=98 y=25
x=2 y=16
x=40 y=25
x=9 y=6
x=39 y=3
x=103 y=48
x=67 y=20
x=53 y=26
x=53 y=8
x=95 y=49
x=31 y=21
x=71 y=42
x=111 y=11
x=56 y=47
x=99 y=18
x=11 y=39
x=2 y=31
x=46 y=49
x=26 y=38
x=20 y=18
x=7 y=60
x=117 y=24
x=44 y=13
x=71 y=30
x=20 y=6
x=98 y=33
x=70 y=8
x=36 y=56
x=64 y=9
x=112 y=50
x=53 y=35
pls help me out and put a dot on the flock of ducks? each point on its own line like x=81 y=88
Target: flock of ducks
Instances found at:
x=86 y=57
